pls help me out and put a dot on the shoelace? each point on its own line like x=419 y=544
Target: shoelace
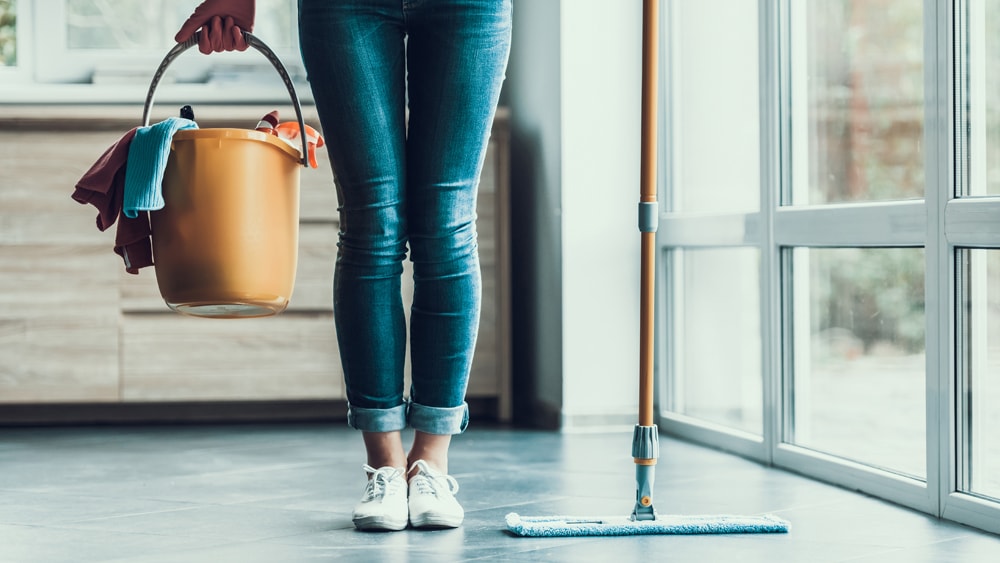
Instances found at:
x=380 y=481
x=426 y=482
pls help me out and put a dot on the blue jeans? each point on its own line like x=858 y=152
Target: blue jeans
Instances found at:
x=406 y=184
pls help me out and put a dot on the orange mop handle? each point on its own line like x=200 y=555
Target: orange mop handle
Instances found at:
x=648 y=208
x=645 y=443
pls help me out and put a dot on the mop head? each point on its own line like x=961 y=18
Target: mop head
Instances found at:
x=560 y=526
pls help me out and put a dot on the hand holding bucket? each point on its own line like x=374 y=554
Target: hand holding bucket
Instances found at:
x=222 y=23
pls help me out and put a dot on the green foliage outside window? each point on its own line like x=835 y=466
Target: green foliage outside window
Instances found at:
x=8 y=32
x=877 y=294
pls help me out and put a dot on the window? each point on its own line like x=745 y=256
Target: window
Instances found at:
x=714 y=266
x=716 y=164
x=719 y=311
x=984 y=89
x=858 y=67
x=95 y=40
x=975 y=231
x=831 y=293
x=8 y=33
x=859 y=355
x=114 y=47
x=981 y=334
x=857 y=322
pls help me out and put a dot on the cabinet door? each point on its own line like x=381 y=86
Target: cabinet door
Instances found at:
x=58 y=277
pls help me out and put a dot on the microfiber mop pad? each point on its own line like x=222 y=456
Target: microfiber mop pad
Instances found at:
x=557 y=526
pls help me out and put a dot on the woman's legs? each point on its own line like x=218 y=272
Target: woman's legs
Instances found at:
x=457 y=54
x=355 y=58
x=384 y=449
x=456 y=58
x=432 y=448
x=397 y=185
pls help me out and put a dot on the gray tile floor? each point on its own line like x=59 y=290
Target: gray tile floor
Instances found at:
x=283 y=493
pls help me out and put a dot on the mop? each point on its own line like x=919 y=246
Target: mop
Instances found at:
x=645 y=438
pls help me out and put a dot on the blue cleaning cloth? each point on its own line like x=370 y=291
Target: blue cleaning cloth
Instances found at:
x=147 y=159
x=562 y=526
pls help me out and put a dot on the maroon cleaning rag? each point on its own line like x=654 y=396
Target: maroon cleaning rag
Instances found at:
x=103 y=186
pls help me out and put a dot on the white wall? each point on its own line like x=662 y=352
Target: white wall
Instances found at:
x=574 y=91
x=601 y=95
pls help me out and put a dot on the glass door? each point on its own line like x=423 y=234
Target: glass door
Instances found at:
x=852 y=279
x=831 y=281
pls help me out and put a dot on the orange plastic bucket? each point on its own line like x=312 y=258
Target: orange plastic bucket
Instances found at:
x=225 y=243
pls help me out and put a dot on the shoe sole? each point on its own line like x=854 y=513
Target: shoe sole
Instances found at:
x=379 y=523
x=432 y=521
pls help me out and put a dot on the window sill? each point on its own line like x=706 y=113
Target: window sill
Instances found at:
x=43 y=112
x=173 y=94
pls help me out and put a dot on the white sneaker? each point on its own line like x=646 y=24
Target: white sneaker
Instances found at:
x=383 y=506
x=432 y=499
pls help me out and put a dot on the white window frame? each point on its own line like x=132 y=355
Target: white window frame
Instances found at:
x=20 y=72
x=49 y=72
x=940 y=223
x=971 y=220
x=56 y=63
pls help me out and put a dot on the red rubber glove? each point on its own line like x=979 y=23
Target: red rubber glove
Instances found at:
x=222 y=23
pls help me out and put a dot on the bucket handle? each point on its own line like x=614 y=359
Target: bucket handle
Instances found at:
x=252 y=41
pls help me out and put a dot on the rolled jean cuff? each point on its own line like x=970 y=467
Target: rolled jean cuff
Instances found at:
x=439 y=420
x=377 y=420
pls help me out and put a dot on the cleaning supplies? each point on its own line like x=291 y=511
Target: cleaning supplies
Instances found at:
x=226 y=238
x=563 y=526
x=289 y=132
x=268 y=123
x=147 y=159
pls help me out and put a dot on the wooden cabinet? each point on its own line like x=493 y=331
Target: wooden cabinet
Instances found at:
x=76 y=329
